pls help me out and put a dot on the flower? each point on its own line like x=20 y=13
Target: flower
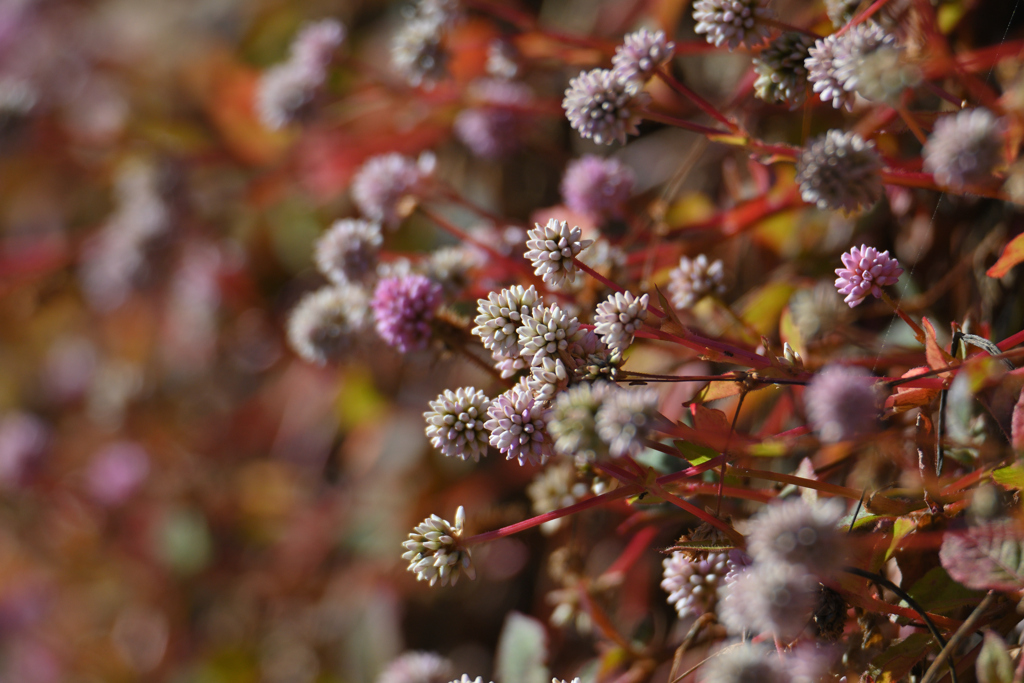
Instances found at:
x=418 y=53
x=625 y=419
x=384 y=181
x=496 y=124
x=840 y=171
x=546 y=330
x=641 y=54
x=781 y=75
x=554 y=488
x=841 y=403
x=552 y=247
x=693 y=583
x=833 y=61
x=732 y=22
x=548 y=376
x=325 y=323
x=417 y=667
x=573 y=420
x=618 y=318
x=347 y=252
x=455 y=423
x=116 y=471
x=450 y=266
x=597 y=187
x=964 y=148
x=500 y=316
x=799 y=533
x=434 y=550
x=866 y=272
x=769 y=598
x=882 y=74
x=693 y=279
x=403 y=308
x=603 y=108
x=743 y=663
x=517 y=426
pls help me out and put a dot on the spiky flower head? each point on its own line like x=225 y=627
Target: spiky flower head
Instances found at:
x=500 y=316
x=841 y=403
x=732 y=22
x=546 y=331
x=867 y=271
x=745 y=663
x=384 y=181
x=573 y=420
x=556 y=486
x=552 y=247
x=693 y=279
x=769 y=598
x=597 y=187
x=693 y=583
x=603 y=108
x=799 y=533
x=641 y=54
x=964 y=148
x=496 y=123
x=781 y=74
x=840 y=170
x=517 y=426
x=455 y=423
x=418 y=52
x=325 y=323
x=403 y=308
x=832 y=63
x=618 y=318
x=434 y=550
x=626 y=418
x=347 y=252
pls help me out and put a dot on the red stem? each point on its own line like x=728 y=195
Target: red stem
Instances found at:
x=701 y=103
x=611 y=285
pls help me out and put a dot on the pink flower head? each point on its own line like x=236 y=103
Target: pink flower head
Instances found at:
x=866 y=272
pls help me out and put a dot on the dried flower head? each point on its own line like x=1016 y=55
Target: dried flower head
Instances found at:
x=498 y=121
x=383 y=182
x=500 y=316
x=840 y=171
x=552 y=247
x=833 y=61
x=693 y=583
x=554 y=488
x=325 y=323
x=455 y=423
x=626 y=418
x=516 y=424
x=603 y=108
x=799 y=533
x=781 y=74
x=745 y=663
x=641 y=54
x=693 y=279
x=732 y=22
x=618 y=318
x=418 y=52
x=573 y=420
x=769 y=598
x=546 y=331
x=403 y=308
x=867 y=271
x=965 y=148
x=841 y=403
x=597 y=187
x=434 y=550
x=347 y=252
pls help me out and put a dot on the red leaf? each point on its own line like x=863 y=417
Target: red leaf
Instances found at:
x=986 y=557
x=1013 y=253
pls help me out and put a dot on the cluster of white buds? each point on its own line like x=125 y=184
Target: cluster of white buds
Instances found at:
x=434 y=550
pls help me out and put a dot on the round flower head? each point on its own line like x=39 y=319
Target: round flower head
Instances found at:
x=552 y=247
x=640 y=55
x=555 y=487
x=546 y=330
x=781 y=75
x=516 y=425
x=455 y=423
x=496 y=124
x=116 y=472
x=745 y=663
x=884 y=73
x=693 y=279
x=403 y=308
x=325 y=323
x=840 y=171
x=964 y=148
x=347 y=252
x=769 y=598
x=732 y=22
x=625 y=418
x=418 y=53
x=833 y=61
x=381 y=184
x=693 y=583
x=548 y=376
x=597 y=187
x=501 y=314
x=841 y=403
x=573 y=420
x=866 y=272
x=618 y=318
x=418 y=667
x=799 y=533
x=434 y=550
x=603 y=108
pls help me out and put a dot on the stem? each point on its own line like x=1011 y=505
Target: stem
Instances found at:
x=682 y=123
x=703 y=344
x=611 y=285
x=822 y=486
x=734 y=536
x=912 y=124
x=699 y=101
x=918 y=332
x=863 y=16
x=965 y=630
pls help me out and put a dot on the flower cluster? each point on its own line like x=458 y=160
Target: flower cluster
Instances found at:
x=602 y=107
x=403 y=308
x=553 y=248
x=693 y=279
x=435 y=551
x=867 y=271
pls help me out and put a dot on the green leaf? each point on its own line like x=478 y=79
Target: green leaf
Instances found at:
x=938 y=593
x=1012 y=476
x=900 y=529
x=990 y=556
x=994 y=664
x=694 y=453
x=522 y=649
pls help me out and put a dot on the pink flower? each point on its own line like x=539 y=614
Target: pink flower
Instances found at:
x=866 y=272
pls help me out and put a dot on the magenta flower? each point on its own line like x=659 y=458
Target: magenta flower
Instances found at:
x=403 y=308
x=866 y=272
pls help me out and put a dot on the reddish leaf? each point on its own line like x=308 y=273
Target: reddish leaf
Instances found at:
x=985 y=557
x=937 y=358
x=1013 y=253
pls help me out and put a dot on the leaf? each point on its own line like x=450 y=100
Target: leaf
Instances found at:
x=717 y=390
x=1010 y=477
x=985 y=557
x=522 y=649
x=1017 y=425
x=897 y=661
x=994 y=664
x=693 y=453
x=900 y=530
x=938 y=359
x=1013 y=253
x=705 y=546
x=762 y=309
x=938 y=593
